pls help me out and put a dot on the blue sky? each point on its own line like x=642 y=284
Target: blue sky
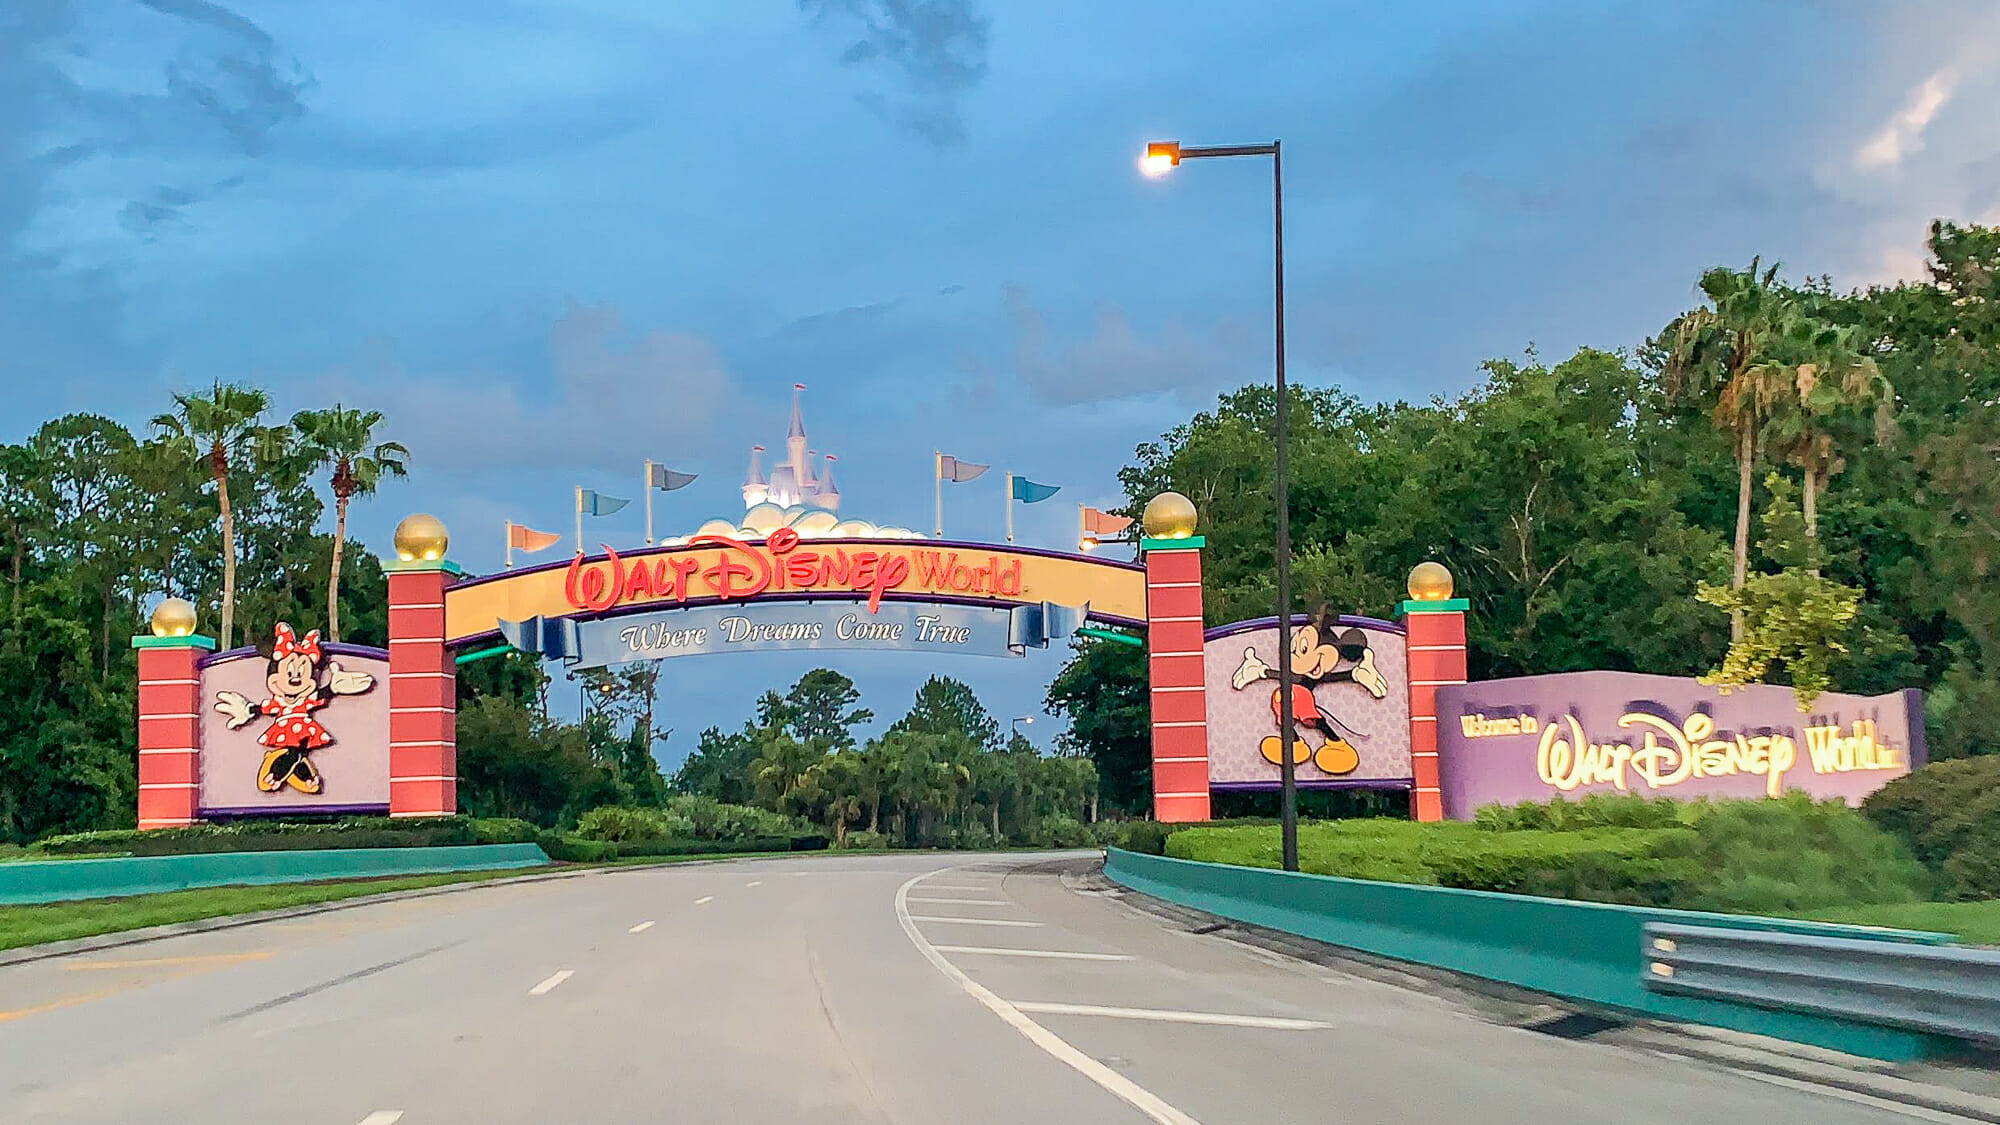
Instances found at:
x=554 y=238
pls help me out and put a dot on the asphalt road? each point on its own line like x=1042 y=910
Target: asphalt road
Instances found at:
x=913 y=988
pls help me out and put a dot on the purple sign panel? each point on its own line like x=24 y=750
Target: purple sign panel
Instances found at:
x=1533 y=738
x=1350 y=704
x=302 y=726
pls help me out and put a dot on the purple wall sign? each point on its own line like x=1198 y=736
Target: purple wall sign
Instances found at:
x=1362 y=694
x=1533 y=738
x=353 y=766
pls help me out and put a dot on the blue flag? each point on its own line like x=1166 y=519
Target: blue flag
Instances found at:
x=1028 y=492
x=667 y=480
x=598 y=504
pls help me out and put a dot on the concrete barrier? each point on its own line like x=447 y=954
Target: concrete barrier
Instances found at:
x=34 y=881
x=1586 y=952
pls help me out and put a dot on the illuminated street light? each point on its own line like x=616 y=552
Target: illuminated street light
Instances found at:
x=1161 y=156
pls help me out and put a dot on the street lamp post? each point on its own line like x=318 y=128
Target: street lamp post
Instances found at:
x=1161 y=157
x=1014 y=726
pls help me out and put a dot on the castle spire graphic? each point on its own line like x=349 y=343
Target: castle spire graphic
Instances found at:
x=794 y=482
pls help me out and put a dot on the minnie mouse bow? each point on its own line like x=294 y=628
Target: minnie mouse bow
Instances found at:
x=291 y=644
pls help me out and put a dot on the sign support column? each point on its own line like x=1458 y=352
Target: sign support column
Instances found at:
x=170 y=728
x=1436 y=624
x=423 y=682
x=1176 y=684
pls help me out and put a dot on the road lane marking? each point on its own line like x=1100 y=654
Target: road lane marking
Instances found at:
x=640 y=928
x=1058 y=1048
x=383 y=1117
x=1165 y=1015
x=754 y=883
x=216 y=959
x=966 y=901
x=65 y=1002
x=1061 y=954
x=549 y=985
x=955 y=887
x=704 y=900
x=971 y=921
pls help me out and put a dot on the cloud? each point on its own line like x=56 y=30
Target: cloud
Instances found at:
x=1114 y=361
x=610 y=397
x=935 y=48
x=1904 y=133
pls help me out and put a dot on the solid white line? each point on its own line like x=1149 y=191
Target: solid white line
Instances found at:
x=704 y=899
x=549 y=985
x=383 y=1117
x=1057 y=954
x=971 y=921
x=966 y=901
x=754 y=883
x=1135 y=1095
x=954 y=887
x=640 y=928
x=1162 y=1015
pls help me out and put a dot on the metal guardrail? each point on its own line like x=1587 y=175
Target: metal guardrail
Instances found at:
x=1944 y=990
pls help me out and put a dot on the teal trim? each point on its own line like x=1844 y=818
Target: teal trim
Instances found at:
x=58 y=880
x=1112 y=636
x=446 y=565
x=1448 y=605
x=482 y=654
x=1582 y=951
x=1191 y=543
x=192 y=640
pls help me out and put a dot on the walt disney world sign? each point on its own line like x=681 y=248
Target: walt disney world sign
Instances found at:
x=716 y=570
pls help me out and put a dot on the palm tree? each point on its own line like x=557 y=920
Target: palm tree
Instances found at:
x=345 y=439
x=1832 y=379
x=1725 y=357
x=224 y=429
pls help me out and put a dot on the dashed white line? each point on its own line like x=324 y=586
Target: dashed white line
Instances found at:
x=1060 y=954
x=640 y=928
x=954 y=887
x=1168 y=1015
x=383 y=1117
x=754 y=883
x=1058 y=1048
x=703 y=900
x=549 y=985
x=971 y=921
x=966 y=901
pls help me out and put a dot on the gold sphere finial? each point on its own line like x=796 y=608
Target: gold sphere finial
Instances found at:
x=1168 y=516
x=1429 y=582
x=173 y=618
x=421 y=538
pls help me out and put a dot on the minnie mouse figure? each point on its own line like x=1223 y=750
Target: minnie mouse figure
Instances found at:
x=1320 y=654
x=293 y=680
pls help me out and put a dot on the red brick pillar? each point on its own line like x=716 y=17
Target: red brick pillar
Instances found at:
x=1436 y=624
x=423 y=692
x=1174 y=669
x=170 y=728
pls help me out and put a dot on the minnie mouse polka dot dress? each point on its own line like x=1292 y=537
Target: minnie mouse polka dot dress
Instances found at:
x=294 y=727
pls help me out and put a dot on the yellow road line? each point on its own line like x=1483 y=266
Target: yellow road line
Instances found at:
x=216 y=959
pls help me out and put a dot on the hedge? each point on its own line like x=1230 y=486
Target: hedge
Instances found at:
x=1948 y=813
x=273 y=836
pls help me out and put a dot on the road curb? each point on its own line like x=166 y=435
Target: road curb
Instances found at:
x=1511 y=1006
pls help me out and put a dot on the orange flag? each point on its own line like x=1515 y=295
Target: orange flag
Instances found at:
x=528 y=539
x=1104 y=523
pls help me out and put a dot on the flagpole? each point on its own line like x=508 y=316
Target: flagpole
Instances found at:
x=647 y=484
x=1010 y=507
x=579 y=519
x=937 y=486
x=510 y=544
x=1082 y=528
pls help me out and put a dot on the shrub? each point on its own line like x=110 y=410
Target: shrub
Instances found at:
x=262 y=835
x=1597 y=810
x=1059 y=831
x=1148 y=837
x=710 y=819
x=1794 y=853
x=977 y=837
x=873 y=841
x=1948 y=813
x=621 y=824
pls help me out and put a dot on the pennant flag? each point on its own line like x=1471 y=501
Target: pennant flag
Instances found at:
x=1104 y=523
x=528 y=539
x=667 y=480
x=1028 y=492
x=957 y=471
x=598 y=504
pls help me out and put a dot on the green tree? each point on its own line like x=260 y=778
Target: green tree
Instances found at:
x=821 y=708
x=222 y=428
x=1102 y=692
x=344 y=440
x=947 y=706
x=513 y=762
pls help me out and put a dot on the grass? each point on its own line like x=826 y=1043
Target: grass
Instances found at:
x=61 y=921
x=1975 y=923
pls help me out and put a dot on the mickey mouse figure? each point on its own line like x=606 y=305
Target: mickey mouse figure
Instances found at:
x=1321 y=654
x=293 y=680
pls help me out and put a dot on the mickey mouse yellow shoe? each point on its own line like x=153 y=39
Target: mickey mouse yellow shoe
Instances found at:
x=1337 y=757
x=1271 y=746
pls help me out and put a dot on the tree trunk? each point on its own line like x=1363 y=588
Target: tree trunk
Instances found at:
x=875 y=811
x=228 y=551
x=20 y=549
x=995 y=807
x=1745 y=454
x=1812 y=507
x=333 y=571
